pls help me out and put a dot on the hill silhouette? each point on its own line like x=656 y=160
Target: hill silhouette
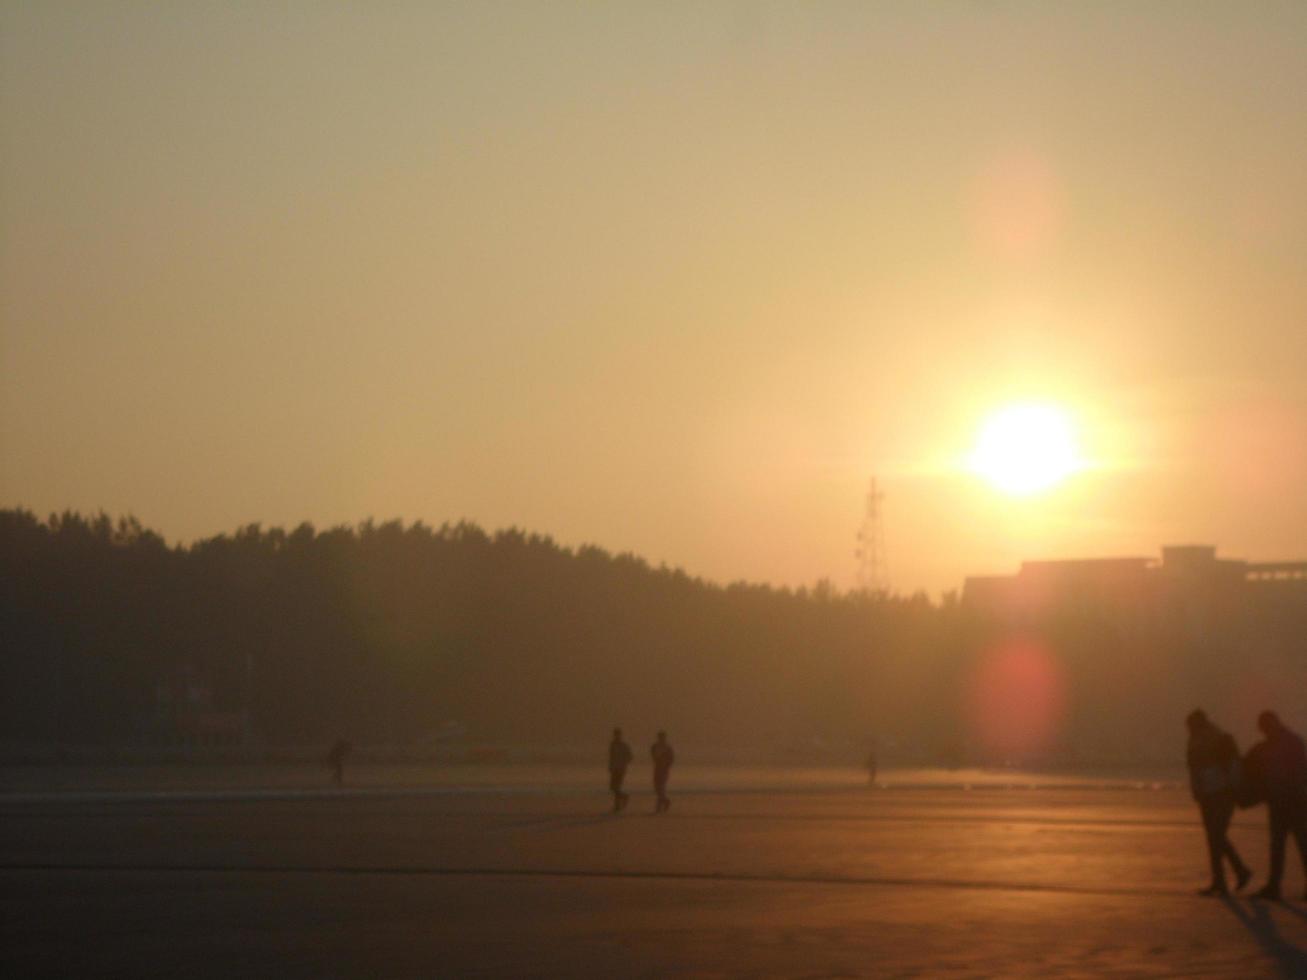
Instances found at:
x=388 y=633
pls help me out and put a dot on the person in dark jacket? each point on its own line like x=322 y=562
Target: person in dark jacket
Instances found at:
x=1213 y=760
x=619 y=757
x=1278 y=764
x=663 y=757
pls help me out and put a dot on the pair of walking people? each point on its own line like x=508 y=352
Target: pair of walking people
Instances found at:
x=619 y=758
x=1273 y=772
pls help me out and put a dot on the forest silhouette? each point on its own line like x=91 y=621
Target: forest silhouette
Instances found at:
x=384 y=633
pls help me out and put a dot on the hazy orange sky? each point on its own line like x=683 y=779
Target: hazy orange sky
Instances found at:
x=670 y=278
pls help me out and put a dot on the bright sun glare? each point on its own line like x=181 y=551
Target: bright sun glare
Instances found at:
x=1023 y=449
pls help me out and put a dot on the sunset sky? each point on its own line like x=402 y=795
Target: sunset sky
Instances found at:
x=675 y=278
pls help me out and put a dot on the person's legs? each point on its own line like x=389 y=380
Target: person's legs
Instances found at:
x=1298 y=827
x=1216 y=843
x=1279 y=831
x=615 y=777
x=1224 y=813
x=1241 y=871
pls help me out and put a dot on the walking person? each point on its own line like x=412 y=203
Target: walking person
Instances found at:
x=1279 y=763
x=336 y=757
x=619 y=757
x=663 y=757
x=1213 y=760
x=871 y=765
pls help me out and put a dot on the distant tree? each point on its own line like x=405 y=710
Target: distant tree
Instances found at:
x=389 y=632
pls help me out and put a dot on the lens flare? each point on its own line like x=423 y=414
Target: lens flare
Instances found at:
x=1016 y=701
x=1018 y=206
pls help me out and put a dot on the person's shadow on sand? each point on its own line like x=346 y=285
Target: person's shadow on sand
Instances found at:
x=1294 y=909
x=1256 y=916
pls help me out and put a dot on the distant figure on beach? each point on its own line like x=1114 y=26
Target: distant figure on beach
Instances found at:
x=336 y=757
x=1277 y=766
x=1213 y=760
x=619 y=757
x=871 y=765
x=663 y=757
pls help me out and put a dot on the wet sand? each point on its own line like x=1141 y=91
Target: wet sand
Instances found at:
x=848 y=881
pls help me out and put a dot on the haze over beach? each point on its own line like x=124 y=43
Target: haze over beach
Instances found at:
x=685 y=488
x=673 y=279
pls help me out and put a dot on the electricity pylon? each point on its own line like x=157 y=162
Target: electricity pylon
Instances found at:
x=872 y=576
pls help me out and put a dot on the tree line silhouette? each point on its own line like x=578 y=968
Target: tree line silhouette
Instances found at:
x=386 y=632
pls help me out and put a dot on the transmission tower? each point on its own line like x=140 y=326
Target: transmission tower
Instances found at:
x=872 y=576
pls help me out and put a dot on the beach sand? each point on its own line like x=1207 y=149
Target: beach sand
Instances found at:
x=913 y=881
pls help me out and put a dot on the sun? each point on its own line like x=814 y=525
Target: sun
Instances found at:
x=1025 y=448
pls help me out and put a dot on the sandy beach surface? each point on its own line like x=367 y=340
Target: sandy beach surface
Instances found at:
x=806 y=879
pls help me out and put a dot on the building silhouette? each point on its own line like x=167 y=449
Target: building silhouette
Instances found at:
x=1186 y=574
x=1137 y=642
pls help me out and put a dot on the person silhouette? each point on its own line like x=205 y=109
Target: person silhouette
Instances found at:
x=1213 y=760
x=619 y=757
x=1279 y=763
x=336 y=757
x=663 y=757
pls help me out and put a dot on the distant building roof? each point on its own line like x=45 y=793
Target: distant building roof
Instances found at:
x=1039 y=582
